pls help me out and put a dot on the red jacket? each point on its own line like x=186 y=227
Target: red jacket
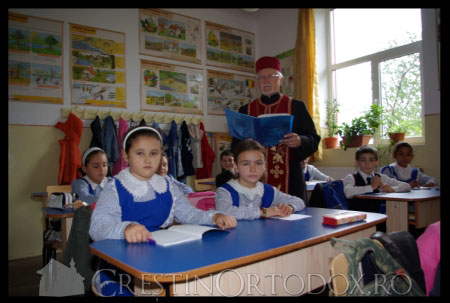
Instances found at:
x=70 y=157
x=207 y=157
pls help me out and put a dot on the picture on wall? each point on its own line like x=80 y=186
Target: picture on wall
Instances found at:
x=226 y=90
x=35 y=59
x=169 y=35
x=97 y=67
x=230 y=48
x=287 y=69
x=171 y=88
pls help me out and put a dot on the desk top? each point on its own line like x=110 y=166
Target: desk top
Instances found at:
x=250 y=241
x=415 y=195
x=58 y=213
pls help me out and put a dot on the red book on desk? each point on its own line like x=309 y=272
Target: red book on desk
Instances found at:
x=344 y=217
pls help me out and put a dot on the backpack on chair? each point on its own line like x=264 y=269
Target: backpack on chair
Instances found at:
x=402 y=246
x=381 y=275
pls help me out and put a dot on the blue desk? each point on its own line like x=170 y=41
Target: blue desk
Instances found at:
x=426 y=208
x=254 y=248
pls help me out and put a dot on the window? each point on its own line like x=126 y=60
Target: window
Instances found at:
x=376 y=58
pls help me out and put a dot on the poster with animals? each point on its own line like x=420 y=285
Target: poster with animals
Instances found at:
x=230 y=48
x=169 y=35
x=35 y=59
x=226 y=90
x=97 y=67
x=171 y=88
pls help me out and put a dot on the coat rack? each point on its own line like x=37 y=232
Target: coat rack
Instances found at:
x=90 y=114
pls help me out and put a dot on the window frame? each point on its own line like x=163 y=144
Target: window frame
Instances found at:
x=375 y=59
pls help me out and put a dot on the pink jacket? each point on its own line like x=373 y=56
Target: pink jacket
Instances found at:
x=120 y=164
x=429 y=245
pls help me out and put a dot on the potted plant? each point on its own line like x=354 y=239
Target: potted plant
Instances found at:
x=331 y=141
x=396 y=130
x=361 y=128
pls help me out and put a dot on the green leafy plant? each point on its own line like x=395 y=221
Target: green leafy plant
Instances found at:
x=331 y=122
x=366 y=124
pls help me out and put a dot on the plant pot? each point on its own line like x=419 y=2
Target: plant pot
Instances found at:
x=396 y=137
x=331 y=142
x=358 y=141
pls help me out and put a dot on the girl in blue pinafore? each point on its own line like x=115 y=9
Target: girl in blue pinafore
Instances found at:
x=401 y=169
x=248 y=198
x=94 y=167
x=138 y=201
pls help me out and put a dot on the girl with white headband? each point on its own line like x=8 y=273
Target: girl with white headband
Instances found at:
x=94 y=167
x=139 y=201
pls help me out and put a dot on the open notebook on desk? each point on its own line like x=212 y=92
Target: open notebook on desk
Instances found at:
x=177 y=234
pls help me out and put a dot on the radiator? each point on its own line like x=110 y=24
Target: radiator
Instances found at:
x=337 y=172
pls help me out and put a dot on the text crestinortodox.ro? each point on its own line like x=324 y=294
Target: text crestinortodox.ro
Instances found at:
x=250 y=284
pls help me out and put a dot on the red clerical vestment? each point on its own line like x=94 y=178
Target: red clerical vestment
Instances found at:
x=277 y=156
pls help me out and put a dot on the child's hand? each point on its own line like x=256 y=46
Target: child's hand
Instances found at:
x=376 y=182
x=135 y=233
x=285 y=209
x=330 y=179
x=224 y=221
x=414 y=184
x=386 y=188
x=430 y=184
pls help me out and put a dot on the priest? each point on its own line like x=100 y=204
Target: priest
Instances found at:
x=284 y=170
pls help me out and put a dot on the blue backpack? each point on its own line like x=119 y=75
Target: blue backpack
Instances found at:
x=329 y=195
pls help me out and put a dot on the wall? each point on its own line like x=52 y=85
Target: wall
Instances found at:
x=33 y=148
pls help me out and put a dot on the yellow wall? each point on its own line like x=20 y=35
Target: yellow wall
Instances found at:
x=33 y=163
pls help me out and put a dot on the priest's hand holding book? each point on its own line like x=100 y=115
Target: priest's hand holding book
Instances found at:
x=291 y=140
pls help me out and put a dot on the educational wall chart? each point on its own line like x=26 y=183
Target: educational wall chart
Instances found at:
x=230 y=48
x=169 y=35
x=35 y=59
x=230 y=91
x=97 y=66
x=171 y=88
x=287 y=69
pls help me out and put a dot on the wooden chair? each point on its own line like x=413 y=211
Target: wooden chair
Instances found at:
x=339 y=267
x=66 y=222
x=204 y=187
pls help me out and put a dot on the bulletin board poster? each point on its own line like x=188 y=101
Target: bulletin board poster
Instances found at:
x=169 y=35
x=171 y=88
x=35 y=59
x=287 y=69
x=230 y=48
x=227 y=90
x=97 y=67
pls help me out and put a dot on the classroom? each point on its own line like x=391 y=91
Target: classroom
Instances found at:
x=33 y=147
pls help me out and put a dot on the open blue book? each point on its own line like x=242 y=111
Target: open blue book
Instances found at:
x=266 y=129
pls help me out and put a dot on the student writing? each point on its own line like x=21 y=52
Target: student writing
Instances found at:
x=402 y=170
x=247 y=197
x=138 y=201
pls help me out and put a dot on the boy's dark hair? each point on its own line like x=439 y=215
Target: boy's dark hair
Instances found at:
x=399 y=145
x=226 y=152
x=365 y=149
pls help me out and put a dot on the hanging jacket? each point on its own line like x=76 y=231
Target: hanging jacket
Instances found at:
x=120 y=164
x=163 y=134
x=207 y=157
x=172 y=149
x=111 y=147
x=196 y=136
x=186 y=154
x=97 y=133
x=70 y=157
